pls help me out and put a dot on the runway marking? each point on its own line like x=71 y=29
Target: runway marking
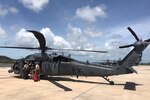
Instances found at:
x=85 y=92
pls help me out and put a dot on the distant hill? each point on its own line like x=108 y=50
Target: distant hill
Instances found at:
x=5 y=59
x=145 y=63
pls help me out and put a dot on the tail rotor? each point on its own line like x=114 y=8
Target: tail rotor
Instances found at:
x=139 y=42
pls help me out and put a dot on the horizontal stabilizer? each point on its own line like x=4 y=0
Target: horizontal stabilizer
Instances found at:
x=133 y=70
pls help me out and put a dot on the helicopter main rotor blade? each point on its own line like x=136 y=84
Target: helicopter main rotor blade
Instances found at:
x=133 y=33
x=79 y=50
x=18 y=47
x=40 y=37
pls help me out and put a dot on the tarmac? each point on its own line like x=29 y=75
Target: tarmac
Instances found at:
x=70 y=88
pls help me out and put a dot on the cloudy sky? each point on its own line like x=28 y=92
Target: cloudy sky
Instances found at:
x=78 y=24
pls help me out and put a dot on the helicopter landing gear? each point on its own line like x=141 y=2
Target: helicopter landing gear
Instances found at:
x=110 y=82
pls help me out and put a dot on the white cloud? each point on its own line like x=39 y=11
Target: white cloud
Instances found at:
x=113 y=44
x=34 y=4
x=2 y=33
x=4 y=10
x=116 y=36
x=91 y=14
x=13 y=10
x=61 y=42
x=54 y=40
x=24 y=38
x=92 y=33
x=74 y=32
x=78 y=39
x=114 y=52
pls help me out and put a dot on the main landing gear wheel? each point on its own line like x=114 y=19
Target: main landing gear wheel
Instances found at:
x=110 y=82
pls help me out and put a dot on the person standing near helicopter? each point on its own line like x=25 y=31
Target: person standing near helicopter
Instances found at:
x=25 y=70
x=36 y=72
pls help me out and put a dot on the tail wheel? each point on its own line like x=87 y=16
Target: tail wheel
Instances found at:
x=111 y=82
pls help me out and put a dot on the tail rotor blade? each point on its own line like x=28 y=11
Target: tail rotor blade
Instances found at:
x=126 y=46
x=148 y=40
x=133 y=33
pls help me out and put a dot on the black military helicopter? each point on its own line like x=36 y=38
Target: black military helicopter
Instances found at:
x=63 y=65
